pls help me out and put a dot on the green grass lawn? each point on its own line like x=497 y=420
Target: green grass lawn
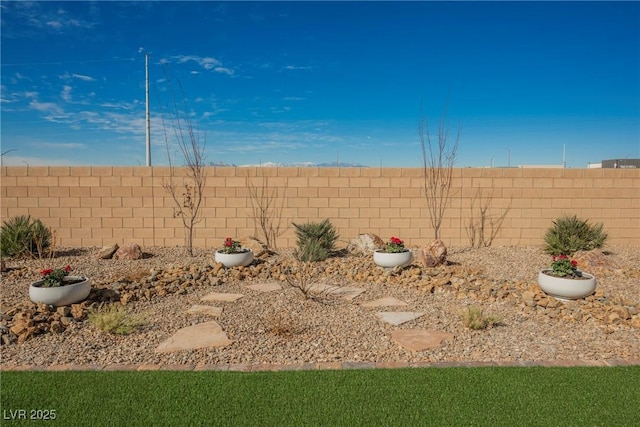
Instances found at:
x=581 y=396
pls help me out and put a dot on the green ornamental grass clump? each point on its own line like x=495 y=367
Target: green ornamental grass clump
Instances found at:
x=24 y=236
x=570 y=234
x=115 y=320
x=316 y=241
x=475 y=319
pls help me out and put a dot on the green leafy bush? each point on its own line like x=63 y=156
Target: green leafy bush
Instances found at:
x=570 y=234
x=316 y=241
x=22 y=235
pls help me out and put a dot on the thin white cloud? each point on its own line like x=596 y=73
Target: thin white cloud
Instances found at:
x=119 y=105
x=66 y=93
x=223 y=70
x=296 y=67
x=27 y=17
x=83 y=78
x=46 y=107
x=60 y=145
x=67 y=76
x=207 y=63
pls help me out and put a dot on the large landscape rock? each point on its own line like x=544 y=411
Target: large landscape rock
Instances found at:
x=107 y=252
x=434 y=254
x=365 y=243
x=131 y=251
x=259 y=249
x=594 y=261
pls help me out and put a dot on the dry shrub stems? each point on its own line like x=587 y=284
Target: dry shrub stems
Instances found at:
x=301 y=279
x=483 y=230
x=266 y=204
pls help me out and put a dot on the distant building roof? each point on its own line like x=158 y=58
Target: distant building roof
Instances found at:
x=621 y=163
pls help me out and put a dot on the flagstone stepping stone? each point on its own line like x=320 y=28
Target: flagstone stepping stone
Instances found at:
x=221 y=296
x=265 y=287
x=384 y=302
x=398 y=317
x=419 y=339
x=203 y=335
x=338 y=291
x=205 y=309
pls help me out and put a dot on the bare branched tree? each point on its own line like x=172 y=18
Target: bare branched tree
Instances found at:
x=267 y=211
x=188 y=194
x=438 y=159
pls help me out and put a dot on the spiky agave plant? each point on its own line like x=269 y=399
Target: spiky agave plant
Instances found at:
x=571 y=234
x=22 y=235
x=316 y=241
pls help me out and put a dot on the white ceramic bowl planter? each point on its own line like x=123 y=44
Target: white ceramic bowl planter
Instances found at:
x=61 y=295
x=566 y=289
x=390 y=260
x=233 y=260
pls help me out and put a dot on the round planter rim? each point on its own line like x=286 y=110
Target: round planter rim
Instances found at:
x=382 y=251
x=589 y=276
x=242 y=251
x=38 y=283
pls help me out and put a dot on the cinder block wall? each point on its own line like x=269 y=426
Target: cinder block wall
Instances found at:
x=94 y=206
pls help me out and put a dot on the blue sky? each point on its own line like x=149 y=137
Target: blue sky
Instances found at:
x=318 y=82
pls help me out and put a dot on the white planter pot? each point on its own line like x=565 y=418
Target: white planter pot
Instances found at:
x=390 y=260
x=234 y=260
x=60 y=295
x=566 y=289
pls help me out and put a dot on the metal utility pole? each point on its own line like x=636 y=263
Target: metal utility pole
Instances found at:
x=564 y=156
x=146 y=69
x=148 y=117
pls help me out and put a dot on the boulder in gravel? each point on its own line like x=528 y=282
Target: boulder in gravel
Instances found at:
x=365 y=243
x=594 y=261
x=434 y=254
x=107 y=252
x=259 y=249
x=131 y=251
x=3 y=266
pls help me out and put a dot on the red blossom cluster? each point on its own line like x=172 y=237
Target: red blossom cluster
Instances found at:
x=48 y=271
x=396 y=241
x=564 y=257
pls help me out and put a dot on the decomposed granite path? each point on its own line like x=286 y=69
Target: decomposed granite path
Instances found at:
x=210 y=334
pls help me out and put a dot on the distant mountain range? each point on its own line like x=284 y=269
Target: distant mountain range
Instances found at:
x=291 y=165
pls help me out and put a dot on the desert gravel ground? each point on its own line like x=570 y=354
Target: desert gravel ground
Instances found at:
x=282 y=327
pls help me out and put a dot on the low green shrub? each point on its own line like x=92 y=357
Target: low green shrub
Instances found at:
x=24 y=236
x=115 y=319
x=316 y=241
x=571 y=234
